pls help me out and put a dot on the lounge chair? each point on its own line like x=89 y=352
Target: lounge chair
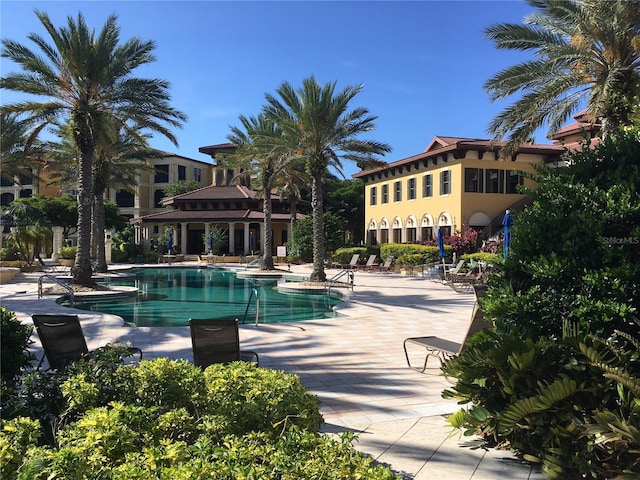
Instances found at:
x=63 y=341
x=443 y=349
x=217 y=341
x=386 y=266
x=353 y=263
x=370 y=263
x=453 y=272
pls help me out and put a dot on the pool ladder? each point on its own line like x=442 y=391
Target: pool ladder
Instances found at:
x=334 y=280
x=62 y=284
x=254 y=291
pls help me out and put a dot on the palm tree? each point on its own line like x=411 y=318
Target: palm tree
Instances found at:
x=587 y=54
x=87 y=81
x=264 y=149
x=19 y=155
x=318 y=121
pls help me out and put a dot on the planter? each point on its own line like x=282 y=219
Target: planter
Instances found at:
x=67 y=262
x=8 y=273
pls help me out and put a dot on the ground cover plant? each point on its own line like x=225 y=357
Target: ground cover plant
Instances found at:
x=558 y=378
x=169 y=419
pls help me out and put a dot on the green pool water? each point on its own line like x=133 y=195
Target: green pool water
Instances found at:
x=170 y=296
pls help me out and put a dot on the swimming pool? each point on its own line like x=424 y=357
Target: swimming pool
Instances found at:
x=170 y=296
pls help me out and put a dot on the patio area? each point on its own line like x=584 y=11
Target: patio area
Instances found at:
x=354 y=363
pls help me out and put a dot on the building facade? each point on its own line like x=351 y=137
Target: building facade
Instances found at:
x=454 y=185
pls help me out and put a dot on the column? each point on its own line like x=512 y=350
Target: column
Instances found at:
x=232 y=237
x=207 y=229
x=246 y=239
x=183 y=238
x=57 y=242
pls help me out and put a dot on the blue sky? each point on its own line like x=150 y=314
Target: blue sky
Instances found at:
x=422 y=63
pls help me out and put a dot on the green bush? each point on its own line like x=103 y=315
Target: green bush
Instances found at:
x=343 y=255
x=15 y=338
x=569 y=404
x=170 y=419
x=67 y=253
x=567 y=400
x=9 y=253
x=428 y=253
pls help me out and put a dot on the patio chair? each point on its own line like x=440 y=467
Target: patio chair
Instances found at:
x=386 y=266
x=217 y=341
x=453 y=272
x=442 y=348
x=370 y=263
x=353 y=263
x=63 y=341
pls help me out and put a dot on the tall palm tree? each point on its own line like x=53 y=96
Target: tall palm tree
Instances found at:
x=87 y=81
x=318 y=121
x=264 y=149
x=19 y=155
x=587 y=55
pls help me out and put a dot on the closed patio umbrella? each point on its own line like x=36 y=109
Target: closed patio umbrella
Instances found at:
x=211 y=242
x=507 y=223
x=441 y=245
x=170 y=243
x=251 y=242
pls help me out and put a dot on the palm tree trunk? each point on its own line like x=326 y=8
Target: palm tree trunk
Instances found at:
x=267 y=257
x=81 y=270
x=317 y=275
x=98 y=232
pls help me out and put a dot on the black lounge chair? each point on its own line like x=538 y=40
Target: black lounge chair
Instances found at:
x=63 y=341
x=217 y=341
x=443 y=349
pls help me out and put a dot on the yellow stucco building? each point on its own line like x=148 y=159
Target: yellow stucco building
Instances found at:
x=455 y=184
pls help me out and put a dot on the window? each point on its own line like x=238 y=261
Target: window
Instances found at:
x=397 y=191
x=25 y=180
x=197 y=174
x=6 y=199
x=6 y=182
x=157 y=198
x=162 y=174
x=411 y=189
x=445 y=182
x=446 y=231
x=397 y=235
x=182 y=172
x=495 y=181
x=473 y=180
x=374 y=193
x=427 y=186
x=427 y=233
x=26 y=193
x=411 y=235
x=385 y=193
x=514 y=180
x=124 y=198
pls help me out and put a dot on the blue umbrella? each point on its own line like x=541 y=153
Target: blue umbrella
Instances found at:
x=251 y=242
x=507 y=223
x=211 y=242
x=441 y=244
x=170 y=243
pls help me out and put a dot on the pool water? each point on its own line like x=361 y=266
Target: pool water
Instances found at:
x=171 y=296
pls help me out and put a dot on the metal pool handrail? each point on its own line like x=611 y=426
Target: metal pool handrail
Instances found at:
x=55 y=280
x=254 y=291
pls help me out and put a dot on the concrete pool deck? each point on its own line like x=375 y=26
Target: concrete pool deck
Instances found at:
x=354 y=363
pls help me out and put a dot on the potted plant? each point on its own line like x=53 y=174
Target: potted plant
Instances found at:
x=67 y=256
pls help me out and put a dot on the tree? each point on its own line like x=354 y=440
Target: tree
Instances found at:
x=318 y=121
x=87 y=80
x=586 y=51
x=17 y=154
x=180 y=187
x=265 y=152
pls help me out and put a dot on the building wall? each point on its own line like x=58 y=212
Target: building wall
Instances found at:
x=411 y=220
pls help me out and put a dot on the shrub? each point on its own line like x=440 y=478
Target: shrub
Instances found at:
x=343 y=255
x=67 y=253
x=169 y=419
x=15 y=338
x=427 y=253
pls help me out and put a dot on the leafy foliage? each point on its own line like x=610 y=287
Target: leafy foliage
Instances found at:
x=15 y=338
x=558 y=379
x=302 y=242
x=170 y=419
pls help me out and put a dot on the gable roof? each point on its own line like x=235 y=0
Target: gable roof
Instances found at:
x=441 y=145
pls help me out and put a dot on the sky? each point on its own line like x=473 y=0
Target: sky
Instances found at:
x=422 y=64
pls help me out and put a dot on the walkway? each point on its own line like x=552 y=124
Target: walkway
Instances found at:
x=354 y=363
